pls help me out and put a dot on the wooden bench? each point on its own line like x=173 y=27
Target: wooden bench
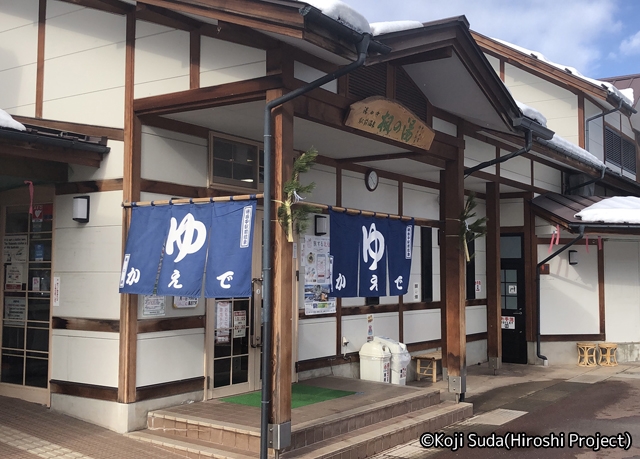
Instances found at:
x=427 y=364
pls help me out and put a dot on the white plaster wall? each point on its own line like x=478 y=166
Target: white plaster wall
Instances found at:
x=445 y=126
x=18 y=56
x=325 y=179
x=558 y=105
x=317 y=338
x=111 y=167
x=477 y=352
x=511 y=212
x=476 y=319
x=224 y=62
x=162 y=63
x=308 y=74
x=87 y=257
x=614 y=119
x=355 y=194
x=477 y=152
x=480 y=257
x=354 y=328
x=85 y=357
x=518 y=168
x=622 y=291
x=495 y=63
x=419 y=326
x=626 y=127
x=84 y=66
x=180 y=351
x=172 y=157
x=420 y=202
x=547 y=177
x=569 y=294
x=596 y=130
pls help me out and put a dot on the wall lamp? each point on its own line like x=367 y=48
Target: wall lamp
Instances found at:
x=321 y=225
x=81 y=209
x=573 y=257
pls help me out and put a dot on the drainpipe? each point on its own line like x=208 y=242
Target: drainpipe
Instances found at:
x=362 y=47
x=538 y=266
x=501 y=159
x=597 y=179
x=591 y=118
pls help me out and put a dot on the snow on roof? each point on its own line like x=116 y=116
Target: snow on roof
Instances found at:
x=380 y=28
x=626 y=94
x=342 y=13
x=6 y=121
x=532 y=113
x=572 y=151
x=619 y=209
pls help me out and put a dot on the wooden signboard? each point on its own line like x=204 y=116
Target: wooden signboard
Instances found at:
x=391 y=120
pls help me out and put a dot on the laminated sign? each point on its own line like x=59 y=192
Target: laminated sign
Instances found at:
x=370 y=253
x=168 y=247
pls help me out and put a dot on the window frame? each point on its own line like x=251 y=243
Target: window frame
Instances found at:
x=230 y=183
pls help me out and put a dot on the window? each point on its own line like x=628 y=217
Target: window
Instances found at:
x=234 y=162
x=619 y=151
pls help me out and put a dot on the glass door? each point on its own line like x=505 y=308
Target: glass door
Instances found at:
x=27 y=249
x=234 y=335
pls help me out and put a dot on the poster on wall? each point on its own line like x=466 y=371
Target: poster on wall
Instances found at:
x=317 y=263
x=15 y=311
x=369 y=327
x=55 y=291
x=184 y=302
x=509 y=322
x=153 y=305
x=223 y=321
x=14 y=277
x=15 y=249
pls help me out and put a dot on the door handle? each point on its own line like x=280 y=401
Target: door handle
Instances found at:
x=517 y=313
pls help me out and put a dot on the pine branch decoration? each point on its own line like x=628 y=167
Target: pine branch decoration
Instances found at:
x=471 y=231
x=297 y=218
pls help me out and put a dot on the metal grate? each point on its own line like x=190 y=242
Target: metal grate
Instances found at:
x=368 y=81
x=628 y=156
x=612 y=147
x=408 y=94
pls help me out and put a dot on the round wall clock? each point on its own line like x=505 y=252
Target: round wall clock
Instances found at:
x=371 y=180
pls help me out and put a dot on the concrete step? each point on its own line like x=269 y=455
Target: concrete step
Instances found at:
x=376 y=438
x=192 y=448
x=247 y=439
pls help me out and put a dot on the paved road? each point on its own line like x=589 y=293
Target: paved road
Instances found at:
x=560 y=413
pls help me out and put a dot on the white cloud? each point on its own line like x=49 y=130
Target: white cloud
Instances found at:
x=566 y=32
x=631 y=45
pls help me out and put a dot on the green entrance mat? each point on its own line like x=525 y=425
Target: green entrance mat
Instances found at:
x=301 y=395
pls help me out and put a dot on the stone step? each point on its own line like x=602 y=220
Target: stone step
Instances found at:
x=243 y=438
x=371 y=440
x=190 y=447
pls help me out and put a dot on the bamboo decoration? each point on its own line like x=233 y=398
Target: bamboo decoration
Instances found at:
x=298 y=217
x=471 y=231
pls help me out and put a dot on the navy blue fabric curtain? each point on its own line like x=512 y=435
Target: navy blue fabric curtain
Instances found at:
x=400 y=251
x=345 y=239
x=230 y=249
x=373 y=257
x=147 y=233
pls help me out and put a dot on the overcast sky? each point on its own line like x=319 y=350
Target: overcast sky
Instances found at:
x=600 y=38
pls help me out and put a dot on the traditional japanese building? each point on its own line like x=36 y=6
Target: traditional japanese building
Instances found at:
x=128 y=101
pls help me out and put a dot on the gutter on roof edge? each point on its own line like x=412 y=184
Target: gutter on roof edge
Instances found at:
x=21 y=136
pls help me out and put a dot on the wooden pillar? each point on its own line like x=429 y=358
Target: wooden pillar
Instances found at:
x=130 y=192
x=282 y=304
x=454 y=262
x=494 y=305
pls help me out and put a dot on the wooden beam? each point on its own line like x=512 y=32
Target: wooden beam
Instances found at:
x=168 y=389
x=530 y=262
x=240 y=35
x=174 y=189
x=601 y=289
x=46 y=171
x=165 y=17
x=494 y=305
x=426 y=56
x=194 y=59
x=94 y=325
x=91 y=186
x=109 y=6
x=452 y=195
x=42 y=17
x=211 y=96
x=109 y=394
x=282 y=267
x=266 y=17
x=49 y=153
x=175 y=126
x=168 y=324
x=131 y=192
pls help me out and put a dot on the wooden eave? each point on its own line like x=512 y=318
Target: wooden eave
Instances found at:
x=49 y=153
x=109 y=6
x=437 y=41
x=543 y=69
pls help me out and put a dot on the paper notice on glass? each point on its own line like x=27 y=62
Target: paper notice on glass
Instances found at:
x=153 y=305
x=223 y=321
x=369 y=327
x=14 y=277
x=184 y=302
x=15 y=249
x=239 y=324
x=15 y=311
x=317 y=299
